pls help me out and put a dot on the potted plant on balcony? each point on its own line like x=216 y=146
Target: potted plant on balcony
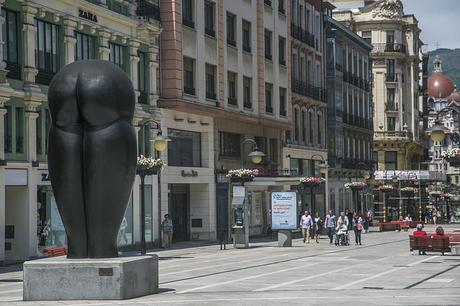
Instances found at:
x=355 y=185
x=386 y=188
x=311 y=181
x=452 y=156
x=409 y=190
x=242 y=175
x=149 y=165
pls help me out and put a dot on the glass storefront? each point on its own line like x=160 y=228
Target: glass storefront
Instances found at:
x=125 y=233
x=50 y=229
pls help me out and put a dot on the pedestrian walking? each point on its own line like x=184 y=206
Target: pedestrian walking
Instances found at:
x=306 y=222
x=358 y=227
x=350 y=219
x=330 y=224
x=318 y=227
x=434 y=215
x=168 y=228
x=365 y=222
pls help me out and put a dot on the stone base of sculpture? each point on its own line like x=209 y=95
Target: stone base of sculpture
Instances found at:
x=60 y=278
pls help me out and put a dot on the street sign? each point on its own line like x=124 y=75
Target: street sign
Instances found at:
x=284 y=210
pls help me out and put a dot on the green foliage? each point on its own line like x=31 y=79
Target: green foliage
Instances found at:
x=450 y=63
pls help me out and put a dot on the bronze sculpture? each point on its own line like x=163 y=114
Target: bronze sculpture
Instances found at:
x=91 y=153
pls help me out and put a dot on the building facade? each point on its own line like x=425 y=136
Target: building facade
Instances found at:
x=38 y=39
x=350 y=112
x=224 y=76
x=306 y=144
x=395 y=37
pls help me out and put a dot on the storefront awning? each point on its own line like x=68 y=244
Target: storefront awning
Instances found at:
x=410 y=175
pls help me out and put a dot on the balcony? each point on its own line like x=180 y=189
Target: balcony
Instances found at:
x=269 y=109
x=210 y=32
x=188 y=22
x=308 y=90
x=232 y=101
x=247 y=48
x=210 y=95
x=247 y=104
x=391 y=77
x=392 y=135
x=389 y=47
x=14 y=70
x=302 y=35
x=390 y=106
x=147 y=8
x=231 y=42
x=189 y=90
x=44 y=77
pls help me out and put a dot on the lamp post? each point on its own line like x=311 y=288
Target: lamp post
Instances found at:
x=160 y=143
x=324 y=169
x=256 y=157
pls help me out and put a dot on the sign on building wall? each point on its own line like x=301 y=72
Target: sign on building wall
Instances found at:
x=15 y=177
x=284 y=210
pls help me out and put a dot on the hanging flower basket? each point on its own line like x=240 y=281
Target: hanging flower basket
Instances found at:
x=435 y=193
x=355 y=185
x=311 y=181
x=447 y=195
x=242 y=175
x=409 y=190
x=386 y=188
x=452 y=156
x=149 y=165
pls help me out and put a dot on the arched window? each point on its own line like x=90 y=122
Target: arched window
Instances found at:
x=296 y=124
x=304 y=126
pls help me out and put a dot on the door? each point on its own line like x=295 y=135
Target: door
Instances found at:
x=179 y=214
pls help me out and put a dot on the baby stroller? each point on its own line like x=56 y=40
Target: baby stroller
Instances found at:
x=341 y=236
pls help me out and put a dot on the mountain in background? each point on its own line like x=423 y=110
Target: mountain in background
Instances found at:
x=450 y=63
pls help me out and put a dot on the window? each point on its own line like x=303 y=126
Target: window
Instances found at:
x=144 y=144
x=14 y=130
x=118 y=55
x=391 y=99
x=390 y=37
x=391 y=123
x=391 y=161
x=391 y=70
x=367 y=36
x=319 y=129
x=42 y=127
x=209 y=18
x=230 y=145
x=304 y=126
x=246 y=27
x=268 y=98
x=247 y=92
x=85 y=46
x=273 y=149
x=184 y=149
x=231 y=29
x=281 y=8
x=143 y=77
x=294 y=67
x=46 y=51
x=282 y=101
x=282 y=50
x=11 y=43
x=268 y=44
x=296 y=125
x=189 y=76
x=210 y=82
x=232 y=96
x=187 y=13
x=310 y=127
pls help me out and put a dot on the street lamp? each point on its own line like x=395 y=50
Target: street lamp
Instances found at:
x=256 y=155
x=160 y=143
x=437 y=132
x=324 y=169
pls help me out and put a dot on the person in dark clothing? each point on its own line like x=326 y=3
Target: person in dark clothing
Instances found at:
x=350 y=219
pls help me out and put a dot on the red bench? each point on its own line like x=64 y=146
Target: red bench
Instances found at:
x=403 y=224
x=429 y=244
x=55 y=251
x=454 y=238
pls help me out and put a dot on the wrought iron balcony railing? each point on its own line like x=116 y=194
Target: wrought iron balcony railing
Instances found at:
x=308 y=90
x=389 y=47
x=146 y=8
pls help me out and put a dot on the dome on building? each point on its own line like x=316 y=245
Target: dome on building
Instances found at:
x=454 y=96
x=439 y=85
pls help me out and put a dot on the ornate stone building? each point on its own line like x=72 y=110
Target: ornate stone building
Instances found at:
x=39 y=37
x=396 y=56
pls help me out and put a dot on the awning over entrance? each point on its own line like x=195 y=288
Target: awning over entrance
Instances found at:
x=409 y=175
x=274 y=181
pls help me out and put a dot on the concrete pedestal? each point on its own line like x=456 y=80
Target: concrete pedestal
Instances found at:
x=59 y=278
x=284 y=238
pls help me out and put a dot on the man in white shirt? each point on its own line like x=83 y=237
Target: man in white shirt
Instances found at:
x=305 y=223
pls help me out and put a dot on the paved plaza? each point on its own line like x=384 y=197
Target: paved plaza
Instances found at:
x=380 y=272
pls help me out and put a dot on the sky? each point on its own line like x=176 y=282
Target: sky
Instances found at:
x=439 y=21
